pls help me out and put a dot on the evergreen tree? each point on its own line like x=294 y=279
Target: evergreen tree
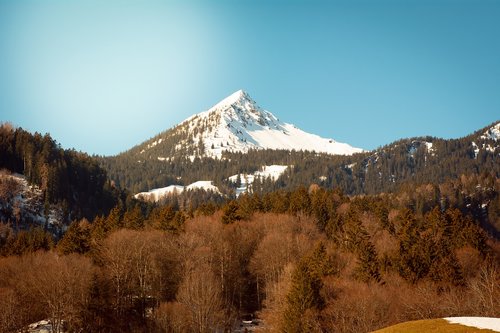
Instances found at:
x=133 y=218
x=114 y=220
x=304 y=296
x=76 y=239
x=231 y=213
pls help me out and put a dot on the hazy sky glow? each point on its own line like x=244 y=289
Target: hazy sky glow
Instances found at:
x=102 y=76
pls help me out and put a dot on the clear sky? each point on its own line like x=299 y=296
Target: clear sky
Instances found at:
x=103 y=76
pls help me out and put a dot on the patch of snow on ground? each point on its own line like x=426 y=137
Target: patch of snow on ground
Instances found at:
x=267 y=171
x=493 y=133
x=476 y=149
x=350 y=166
x=154 y=143
x=203 y=185
x=430 y=150
x=29 y=198
x=490 y=148
x=478 y=322
x=158 y=193
x=42 y=326
x=273 y=171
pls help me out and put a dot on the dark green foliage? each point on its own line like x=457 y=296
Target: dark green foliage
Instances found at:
x=426 y=247
x=99 y=228
x=357 y=240
x=413 y=262
x=166 y=218
x=231 y=213
x=300 y=201
x=76 y=239
x=134 y=218
x=207 y=209
x=29 y=241
x=305 y=290
x=67 y=178
x=114 y=221
x=248 y=204
x=368 y=265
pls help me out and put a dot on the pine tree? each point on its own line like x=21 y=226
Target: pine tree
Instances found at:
x=231 y=213
x=114 y=220
x=304 y=296
x=76 y=239
x=99 y=228
x=133 y=219
x=368 y=266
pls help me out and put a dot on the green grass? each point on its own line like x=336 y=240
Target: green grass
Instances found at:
x=430 y=325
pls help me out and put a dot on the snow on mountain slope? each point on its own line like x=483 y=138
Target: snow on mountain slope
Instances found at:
x=203 y=185
x=19 y=198
x=484 y=141
x=238 y=124
x=246 y=180
x=159 y=193
x=493 y=133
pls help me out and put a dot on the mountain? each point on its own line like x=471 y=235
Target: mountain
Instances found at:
x=415 y=160
x=235 y=124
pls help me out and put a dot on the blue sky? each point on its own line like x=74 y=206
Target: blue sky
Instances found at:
x=102 y=76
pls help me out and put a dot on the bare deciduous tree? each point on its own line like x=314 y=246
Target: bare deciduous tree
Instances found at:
x=172 y=317
x=485 y=290
x=200 y=293
x=50 y=286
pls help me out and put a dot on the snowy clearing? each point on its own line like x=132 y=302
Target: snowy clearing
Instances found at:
x=267 y=171
x=478 y=322
x=159 y=193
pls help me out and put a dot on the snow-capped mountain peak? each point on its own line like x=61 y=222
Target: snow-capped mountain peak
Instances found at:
x=238 y=124
x=239 y=97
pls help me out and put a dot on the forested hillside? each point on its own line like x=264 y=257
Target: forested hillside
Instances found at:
x=69 y=181
x=308 y=260
x=416 y=160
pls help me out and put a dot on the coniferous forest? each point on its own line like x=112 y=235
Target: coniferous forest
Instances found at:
x=415 y=160
x=344 y=255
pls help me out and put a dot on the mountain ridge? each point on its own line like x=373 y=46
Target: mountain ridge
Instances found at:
x=235 y=124
x=417 y=159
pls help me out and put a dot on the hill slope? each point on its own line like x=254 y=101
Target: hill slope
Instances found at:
x=61 y=185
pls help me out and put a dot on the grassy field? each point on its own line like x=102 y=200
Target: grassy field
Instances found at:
x=430 y=325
